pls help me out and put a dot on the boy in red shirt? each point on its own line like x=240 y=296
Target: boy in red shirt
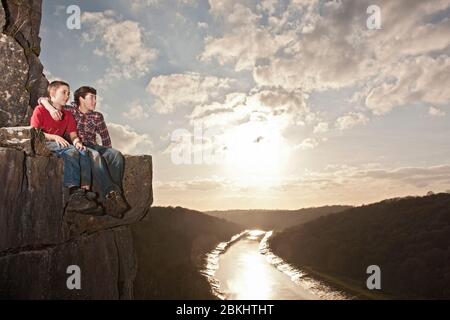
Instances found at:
x=77 y=168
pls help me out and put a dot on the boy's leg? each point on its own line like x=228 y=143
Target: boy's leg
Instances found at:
x=114 y=203
x=86 y=172
x=71 y=163
x=115 y=161
x=77 y=201
x=101 y=173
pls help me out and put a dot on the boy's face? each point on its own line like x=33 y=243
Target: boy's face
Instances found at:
x=60 y=96
x=89 y=102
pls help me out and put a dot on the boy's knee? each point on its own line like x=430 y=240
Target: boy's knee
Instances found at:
x=73 y=153
x=94 y=154
x=116 y=154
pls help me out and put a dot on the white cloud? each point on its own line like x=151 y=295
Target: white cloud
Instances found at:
x=202 y=25
x=50 y=76
x=350 y=120
x=436 y=112
x=277 y=106
x=315 y=46
x=172 y=91
x=135 y=111
x=424 y=79
x=121 y=41
x=363 y=177
x=128 y=141
x=308 y=143
x=321 y=127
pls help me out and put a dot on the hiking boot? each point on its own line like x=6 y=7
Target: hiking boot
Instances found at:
x=115 y=205
x=78 y=202
x=91 y=195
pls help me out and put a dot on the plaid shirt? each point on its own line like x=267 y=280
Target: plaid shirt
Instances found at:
x=88 y=125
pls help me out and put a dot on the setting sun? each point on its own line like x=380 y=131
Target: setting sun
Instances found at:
x=255 y=153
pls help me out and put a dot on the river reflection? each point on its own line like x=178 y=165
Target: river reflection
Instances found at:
x=244 y=268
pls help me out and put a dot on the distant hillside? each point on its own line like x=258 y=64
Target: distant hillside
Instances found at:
x=275 y=219
x=408 y=238
x=170 y=245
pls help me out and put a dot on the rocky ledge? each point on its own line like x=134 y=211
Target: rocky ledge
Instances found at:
x=39 y=240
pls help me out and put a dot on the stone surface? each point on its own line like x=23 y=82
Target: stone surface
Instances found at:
x=2 y=18
x=137 y=185
x=14 y=98
x=38 y=241
x=42 y=273
x=31 y=204
x=27 y=139
x=22 y=81
x=24 y=22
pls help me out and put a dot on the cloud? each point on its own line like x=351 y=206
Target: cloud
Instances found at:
x=317 y=46
x=321 y=127
x=202 y=25
x=308 y=143
x=175 y=90
x=128 y=141
x=197 y=184
x=276 y=106
x=436 y=112
x=135 y=111
x=344 y=177
x=350 y=120
x=50 y=76
x=420 y=79
x=121 y=41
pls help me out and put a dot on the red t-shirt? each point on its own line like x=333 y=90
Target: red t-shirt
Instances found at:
x=41 y=119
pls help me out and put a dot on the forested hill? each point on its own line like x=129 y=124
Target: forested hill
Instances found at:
x=275 y=219
x=408 y=238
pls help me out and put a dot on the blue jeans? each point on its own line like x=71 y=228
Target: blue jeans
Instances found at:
x=77 y=165
x=107 y=168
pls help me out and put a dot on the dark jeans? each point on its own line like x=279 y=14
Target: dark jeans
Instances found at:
x=107 y=168
x=77 y=165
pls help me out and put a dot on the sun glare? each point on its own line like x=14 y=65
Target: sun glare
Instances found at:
x=255 y=153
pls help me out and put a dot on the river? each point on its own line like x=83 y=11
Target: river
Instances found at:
x=245 y=268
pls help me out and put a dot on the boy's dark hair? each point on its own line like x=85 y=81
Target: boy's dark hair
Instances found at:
x=55 y=85
x=82 y=93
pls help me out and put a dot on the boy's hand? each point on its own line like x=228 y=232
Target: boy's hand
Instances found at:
x=57 y=115
x=79 y=146
x=61 y=141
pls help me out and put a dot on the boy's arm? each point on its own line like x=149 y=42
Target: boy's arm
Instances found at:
x=55 y=113
x=102 y=130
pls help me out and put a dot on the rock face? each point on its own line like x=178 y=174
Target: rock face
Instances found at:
x=39 y=241
x=22 y=80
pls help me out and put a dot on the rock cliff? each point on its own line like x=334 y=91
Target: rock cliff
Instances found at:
x=39 y=240
x=22 y=81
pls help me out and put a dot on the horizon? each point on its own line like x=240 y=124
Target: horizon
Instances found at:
x=315 y=207
x=272 y=104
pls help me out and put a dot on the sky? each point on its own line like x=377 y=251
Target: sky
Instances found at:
x=266 y=104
